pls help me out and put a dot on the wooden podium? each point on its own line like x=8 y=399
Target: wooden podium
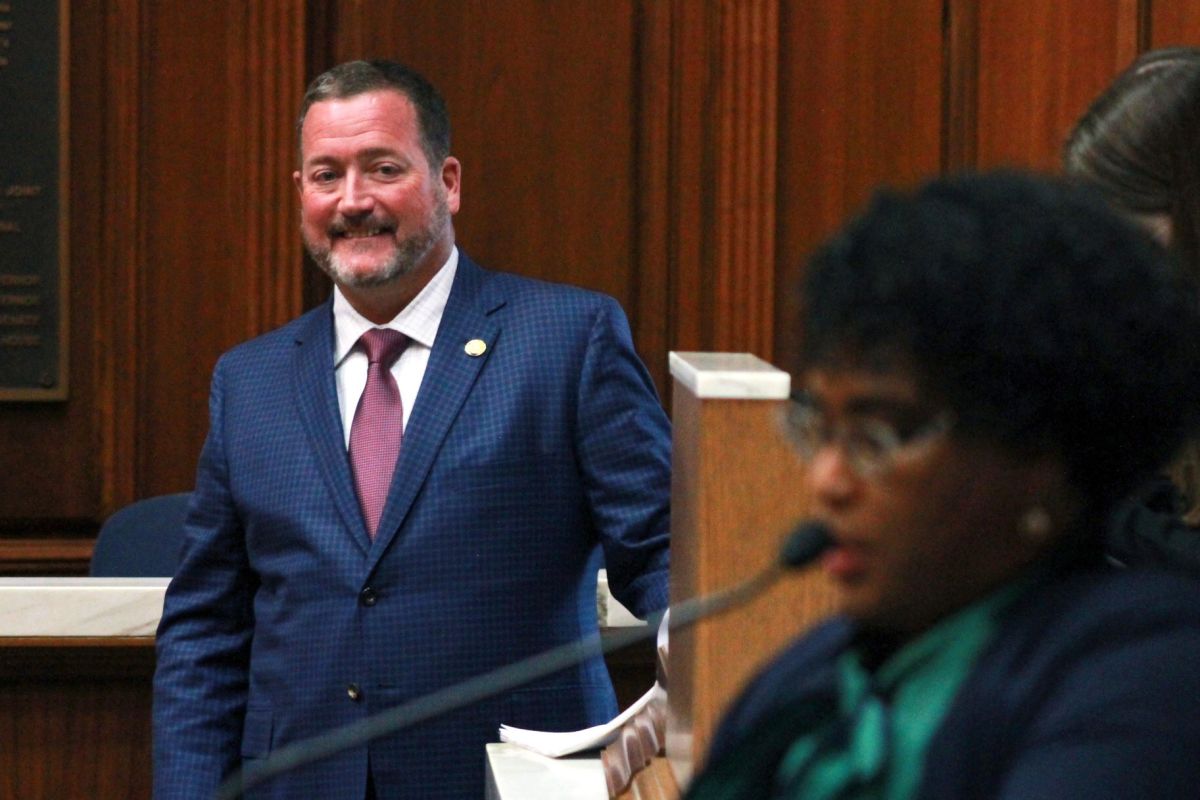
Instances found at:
x=76 y=670
x=76 y=662
x=737 y=489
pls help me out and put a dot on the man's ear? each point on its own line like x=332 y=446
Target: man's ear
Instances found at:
x=452 y=183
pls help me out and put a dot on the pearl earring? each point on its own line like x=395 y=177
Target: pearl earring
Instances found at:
x=1036 y=524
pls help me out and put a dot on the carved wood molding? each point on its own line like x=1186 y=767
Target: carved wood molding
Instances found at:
x=266 y=72
x=118 y=285
x=744 y=169
x=707 y=174
x=265 y=64
x=653 y=311
x=45 y=556
x=960 y=79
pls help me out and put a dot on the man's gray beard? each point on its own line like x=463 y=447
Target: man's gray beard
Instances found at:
x=403 y=262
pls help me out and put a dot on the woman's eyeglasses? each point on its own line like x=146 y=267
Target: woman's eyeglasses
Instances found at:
x=870 y=446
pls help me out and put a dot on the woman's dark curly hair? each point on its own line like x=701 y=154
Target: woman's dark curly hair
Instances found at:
x=1041 y=318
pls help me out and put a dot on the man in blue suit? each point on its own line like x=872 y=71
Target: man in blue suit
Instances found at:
x=533 y=441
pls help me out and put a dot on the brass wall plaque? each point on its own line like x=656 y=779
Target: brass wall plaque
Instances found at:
x=33 y=199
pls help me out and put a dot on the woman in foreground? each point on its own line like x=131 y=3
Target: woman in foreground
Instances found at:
x=974 y=396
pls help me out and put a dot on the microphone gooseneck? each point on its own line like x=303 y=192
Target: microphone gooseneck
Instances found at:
x=801 y=547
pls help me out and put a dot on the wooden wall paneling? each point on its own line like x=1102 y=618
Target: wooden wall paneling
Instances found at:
x=654 y=305
x=654 y=148
x=744 y=154
x=688 y=194
x=706 y=175
x=267 y=80
x=121 y=248
x=76 y=720
x=545 y=121
x=1040 y=64
x=542 y=111
x=860 y=105
x=220 y=262
x=1172 y=22
x=960 y=82
x=57 y=551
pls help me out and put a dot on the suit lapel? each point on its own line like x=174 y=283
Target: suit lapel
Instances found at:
x=316 y=396
x=449 y=376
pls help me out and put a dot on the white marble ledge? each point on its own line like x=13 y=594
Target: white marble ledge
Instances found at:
x=71 y=607
x=67 y=607
x=514 y=773
x=729 y=376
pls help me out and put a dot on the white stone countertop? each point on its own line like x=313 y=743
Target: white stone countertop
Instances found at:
x=729 y=376
x=68 y=607
x=515 y=773
x=120 y=607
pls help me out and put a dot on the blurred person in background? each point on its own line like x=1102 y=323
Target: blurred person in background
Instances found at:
x=1139 y=145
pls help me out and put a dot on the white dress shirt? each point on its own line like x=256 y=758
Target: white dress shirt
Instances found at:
x=419 y=321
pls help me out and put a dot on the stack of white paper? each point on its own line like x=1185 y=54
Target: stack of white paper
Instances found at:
x=555 y=744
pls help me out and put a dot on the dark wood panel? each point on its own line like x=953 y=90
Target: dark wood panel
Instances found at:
x=654 y=308
x=1174 y=22
x=542 y=114
x=76 y=719
x=119 y=257
x=28 y=553
x=1040 y=64
x=547 y=118
x=860 y=104
x=220 y=263
x=678 y=63
x=743 y=146
x=707 y=173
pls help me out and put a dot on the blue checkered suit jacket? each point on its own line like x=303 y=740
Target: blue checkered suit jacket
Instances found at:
x=519 y=468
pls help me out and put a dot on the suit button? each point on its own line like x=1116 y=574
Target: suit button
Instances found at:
x=368 y=596
x=353 y=692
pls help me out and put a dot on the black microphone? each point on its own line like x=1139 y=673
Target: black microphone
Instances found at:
x=803 y=545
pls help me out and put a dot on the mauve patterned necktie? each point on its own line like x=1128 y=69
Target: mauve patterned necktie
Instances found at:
x=378 y=427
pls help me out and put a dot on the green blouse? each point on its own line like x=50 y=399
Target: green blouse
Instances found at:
x=871 y=743
x=875 y=746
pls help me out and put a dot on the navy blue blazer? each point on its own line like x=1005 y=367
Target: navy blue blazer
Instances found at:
x=519 y=467
x=1091 y=689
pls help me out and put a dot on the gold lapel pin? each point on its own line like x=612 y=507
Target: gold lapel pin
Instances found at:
x=475 y=348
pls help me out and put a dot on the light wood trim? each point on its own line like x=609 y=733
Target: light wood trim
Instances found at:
x=737 y=489
x=49 y=556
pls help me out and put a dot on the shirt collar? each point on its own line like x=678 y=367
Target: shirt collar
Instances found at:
x=419 y=320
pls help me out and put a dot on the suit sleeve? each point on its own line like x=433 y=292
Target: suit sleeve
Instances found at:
x=204 y=636
x=624 y=451
x=1121 y=722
